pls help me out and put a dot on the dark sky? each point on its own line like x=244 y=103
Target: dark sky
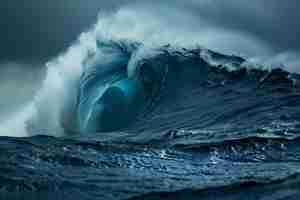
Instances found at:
x=35 y=30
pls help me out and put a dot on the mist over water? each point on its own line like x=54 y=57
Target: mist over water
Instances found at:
x=153 y=26
x=18 y=86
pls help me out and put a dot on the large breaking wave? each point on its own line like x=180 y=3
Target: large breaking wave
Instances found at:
x=116 y=48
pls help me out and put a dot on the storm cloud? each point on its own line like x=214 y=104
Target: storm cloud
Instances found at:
x=39 y=30
x=273 y=21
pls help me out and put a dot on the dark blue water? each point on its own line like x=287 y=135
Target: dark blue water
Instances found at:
x=169 y=124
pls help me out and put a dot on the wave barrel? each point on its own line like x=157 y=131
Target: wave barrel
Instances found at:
x=118 y=105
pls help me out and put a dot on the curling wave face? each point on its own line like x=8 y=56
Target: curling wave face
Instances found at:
x=139 y=89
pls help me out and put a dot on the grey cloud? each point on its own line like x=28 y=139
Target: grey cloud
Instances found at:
x=39 y=30
x=273 y=21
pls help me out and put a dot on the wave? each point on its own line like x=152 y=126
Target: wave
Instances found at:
x=132 y=85
x=168 y=77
